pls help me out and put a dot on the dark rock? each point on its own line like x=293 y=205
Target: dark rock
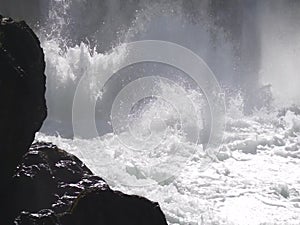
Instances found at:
x=23 y=106
x=104 y=206
x=50 y=178
x=22 y=89
x=43 y=217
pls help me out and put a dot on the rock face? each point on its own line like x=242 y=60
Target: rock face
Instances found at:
x=104 y=206
x=23 y=106
x=57 y=188
x=53 y=179
x=22 y=89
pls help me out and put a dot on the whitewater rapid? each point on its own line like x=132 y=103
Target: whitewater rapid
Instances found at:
x=251 y=177
x=239 y=188
x=253 y=180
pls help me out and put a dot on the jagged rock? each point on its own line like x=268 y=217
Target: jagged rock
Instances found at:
x=50 y=178
x=22 y=89
x=104 y=206
x=23 y=106
x=43 y=217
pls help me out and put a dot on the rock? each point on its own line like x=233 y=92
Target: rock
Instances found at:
x=22 y=89
x=104 y=206
x=50 y=178
x=43 y=217
x=23 y=106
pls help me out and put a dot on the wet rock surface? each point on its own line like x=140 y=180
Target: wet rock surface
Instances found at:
x=22 y=89
x=23 y=105
x=56 y=187
x=51 y=177
x=43 y=217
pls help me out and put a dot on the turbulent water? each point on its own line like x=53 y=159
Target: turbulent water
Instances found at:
x=251 y=176
x=237 y=188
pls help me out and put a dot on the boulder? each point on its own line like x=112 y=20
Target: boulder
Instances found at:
x=104 y=206
x=49 y=177
x=23 y=106
x=22 y=90
x=55 y=186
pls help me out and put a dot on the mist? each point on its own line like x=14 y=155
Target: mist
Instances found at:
x=251 y=46
x=280 y=52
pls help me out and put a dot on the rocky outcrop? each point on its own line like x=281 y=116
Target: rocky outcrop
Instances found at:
x=23 y=105
x=57 y=187
x=104 y=206
x=22 y=90
x=50 y=176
